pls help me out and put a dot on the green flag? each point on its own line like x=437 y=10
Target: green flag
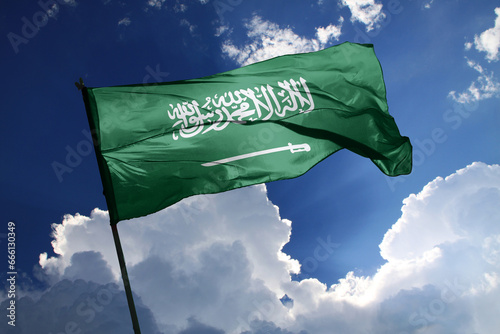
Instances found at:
x=273 y=120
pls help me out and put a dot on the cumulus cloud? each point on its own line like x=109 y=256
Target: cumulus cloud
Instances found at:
x=217 y=258
x=484 y=87
x=331 y=32
x=367 y=12
x=439 y=265
x=268 y=40
x=78 y=307
x=445 y=222
x=214 y=264
x=489 y=41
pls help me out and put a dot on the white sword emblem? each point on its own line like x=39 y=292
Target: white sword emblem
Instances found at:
x=292 y=148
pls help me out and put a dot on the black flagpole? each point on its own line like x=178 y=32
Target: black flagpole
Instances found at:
x=121 y=259
x=126 y=283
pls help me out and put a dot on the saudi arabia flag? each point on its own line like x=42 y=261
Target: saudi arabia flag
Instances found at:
x=159 y=143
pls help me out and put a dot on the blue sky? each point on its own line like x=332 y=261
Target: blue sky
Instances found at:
x=412 y=254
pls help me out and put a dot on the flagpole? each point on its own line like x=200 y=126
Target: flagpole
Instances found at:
x=126 y=283
x=119 y=251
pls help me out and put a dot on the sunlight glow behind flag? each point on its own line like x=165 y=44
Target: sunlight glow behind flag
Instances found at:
x=159 y=143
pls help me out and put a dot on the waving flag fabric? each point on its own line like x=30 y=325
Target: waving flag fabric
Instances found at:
x=159 y=143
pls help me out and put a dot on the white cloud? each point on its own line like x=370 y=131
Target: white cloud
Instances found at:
x=484 y=87
x=213 y=264
x=446 y=211
x=367 y=12
x=221 y=30
x=268 y=40
x=428 y=4
x=489 y=41
x=158 y=4
x=78 y=307
x=125 y=21
x=442 y=264
x=331 y=32
x=213 y=257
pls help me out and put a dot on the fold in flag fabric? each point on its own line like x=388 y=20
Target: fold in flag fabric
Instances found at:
x=159 y=143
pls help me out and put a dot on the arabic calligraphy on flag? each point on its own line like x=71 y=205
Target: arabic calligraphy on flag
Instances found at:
x=259 y=103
